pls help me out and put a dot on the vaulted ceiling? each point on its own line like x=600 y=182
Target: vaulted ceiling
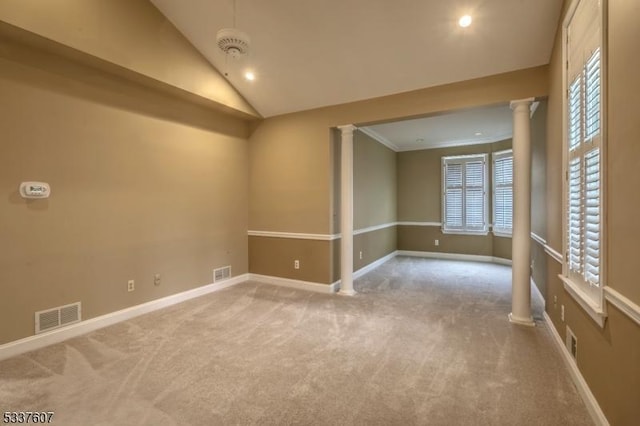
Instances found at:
x=313 y=53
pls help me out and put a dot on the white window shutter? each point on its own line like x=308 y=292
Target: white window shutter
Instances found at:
x=464 y=193
x=503 y=192
x=592 y=217
x=574 y=211
x=575 y=113
x=583 y=144
x=592 y=96
x=453 y=198
x=474 y=195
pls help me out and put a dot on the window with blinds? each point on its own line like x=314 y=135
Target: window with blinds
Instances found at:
x=464 y=198
x=583 y=148
x=503 y=192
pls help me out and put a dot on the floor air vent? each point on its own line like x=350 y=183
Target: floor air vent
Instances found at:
x=58 y=317
x=221 y=273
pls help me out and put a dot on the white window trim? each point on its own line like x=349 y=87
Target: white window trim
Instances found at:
x=496 y=156
x=464 y=158
x=592 y=300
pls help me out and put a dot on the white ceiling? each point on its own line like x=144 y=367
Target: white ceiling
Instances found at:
x=312 y=53
x=468 y=127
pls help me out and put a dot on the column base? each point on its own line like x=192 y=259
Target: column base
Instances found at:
x=522 y=321
x=342 y=292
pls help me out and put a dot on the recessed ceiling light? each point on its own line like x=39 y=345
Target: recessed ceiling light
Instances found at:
x=478 y=133
x=249 y=76
x=465 y=21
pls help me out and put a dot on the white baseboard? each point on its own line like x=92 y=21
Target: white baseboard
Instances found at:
x=38 y=341
x=454 y=256
x=297 y=284
x=536 y=292
x=501 y=261
x=373 y=265
x=318 y=287
x=583 y=389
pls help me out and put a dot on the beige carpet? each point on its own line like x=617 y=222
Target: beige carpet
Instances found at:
x=424 y=342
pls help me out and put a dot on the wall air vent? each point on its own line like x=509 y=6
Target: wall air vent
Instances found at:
x=221 y=274
x=51 y=319
x=572 y=344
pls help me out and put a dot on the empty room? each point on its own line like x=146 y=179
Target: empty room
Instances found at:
x=319 y=212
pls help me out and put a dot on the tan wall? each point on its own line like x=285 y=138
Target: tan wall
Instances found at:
x=374 y=204
x=132 y=35
x=419 y=185
x=553 y=148
x=607 y=358
x=422 y=238
x=420 y=180
x=292 y=158
x=501 y=247
x=539 y=269
x=275 y=257
x=420 y=200
x=539 y=170
x=623 y=164
x=373 y=245
x=374 y=182
x=134 y=193
x=539 y=195
x=291 y=179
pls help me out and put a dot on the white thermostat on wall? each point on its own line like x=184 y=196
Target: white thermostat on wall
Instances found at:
x=35 y=190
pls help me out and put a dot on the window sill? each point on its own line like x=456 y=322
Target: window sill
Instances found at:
x=502 y=234
x=479 y=233
x=597 y=313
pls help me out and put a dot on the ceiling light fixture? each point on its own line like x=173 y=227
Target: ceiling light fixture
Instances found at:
x=249 y=76
x=465 y=21
x=478 y=133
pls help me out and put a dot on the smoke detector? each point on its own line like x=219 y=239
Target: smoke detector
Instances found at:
x=233 y=42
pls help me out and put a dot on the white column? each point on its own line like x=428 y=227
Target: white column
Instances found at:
x=521 y=239
x=346 y=211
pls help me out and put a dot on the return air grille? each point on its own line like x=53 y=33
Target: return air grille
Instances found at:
x=221 y=274
x=572 y=344
x=51 y=319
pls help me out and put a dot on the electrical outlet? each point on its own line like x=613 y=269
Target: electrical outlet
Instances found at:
x=131 y=285
x=562 y=312
x=436 y=242
x=156 y=279
x=555 y=301
x=296 y=264
x=361 y=255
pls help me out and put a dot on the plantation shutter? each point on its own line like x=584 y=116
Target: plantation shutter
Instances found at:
x=453 y=198
x=583 y=144
x=592 y=218
x=592 y=96
x=464 y=193
x=503 y=192
x=474 y=196
x=575 y=216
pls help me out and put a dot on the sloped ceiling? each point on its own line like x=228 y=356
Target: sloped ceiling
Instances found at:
x=313 y=53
